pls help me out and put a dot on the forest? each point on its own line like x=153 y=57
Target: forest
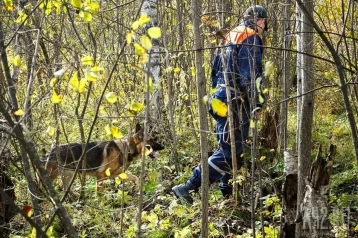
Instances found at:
x=85 y=81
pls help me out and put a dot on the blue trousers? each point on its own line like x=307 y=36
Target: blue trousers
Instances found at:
x=220 y=163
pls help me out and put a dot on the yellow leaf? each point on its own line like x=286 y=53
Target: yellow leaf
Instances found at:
x=111 y=97
x=50 y=130
x=19 y=113
x=87 y=17
x=76 y=3
x=87 y=60
x=108 y=130
x=148 y=151
x=154 y=32
x=136 y=107
x=81 y=86
x=144 y=19
x=219 y=107
x=48 y=8
x=177 y=70
x=123 y=176
x=93 y=76
x=212 y=90
x=118 y=180
x=22 y=17
x=252 y=124
x=265 y=91
x=74 y=80
x=262 y=158
x=97 y=69
x=138 y=49
x=93 y=7
x=108 y=172
x=17 y=61
x=258 y=84
x=146 y=42
x=116 y=133
x=269 y=68
x=129 y=37
x=56 y=99
x=261 y=99
x=9 y=6
x=101 y=110
x=144 y=59
x=53 y=82
x=135 y=25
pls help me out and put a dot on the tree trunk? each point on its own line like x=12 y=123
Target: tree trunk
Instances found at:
x=230 y=116
x=173 y=136
x=149 y=7
x=314 y=209
x=196 y=6
x=286 y=82
x=305 y=107
x=340 y=70
x=289 y=195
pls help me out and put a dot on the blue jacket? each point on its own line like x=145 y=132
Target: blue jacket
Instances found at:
x=242 y=44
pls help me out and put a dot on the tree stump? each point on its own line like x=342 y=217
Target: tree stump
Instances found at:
x=314 y=210
x=289 y=195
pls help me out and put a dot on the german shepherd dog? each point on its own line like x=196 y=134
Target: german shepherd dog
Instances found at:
x=115 y=155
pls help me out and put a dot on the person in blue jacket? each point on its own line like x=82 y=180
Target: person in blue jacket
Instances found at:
x=243 y=54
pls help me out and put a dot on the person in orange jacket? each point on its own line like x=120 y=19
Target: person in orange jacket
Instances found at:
x=243 y=54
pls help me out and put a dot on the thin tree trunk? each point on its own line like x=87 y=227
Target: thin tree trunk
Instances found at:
x=149 y=7
x=286 y=82
x=30 y=149
x=305 y=115
x=340 y=70
x=14 y=107
x=196 y=6
x=231 y=119
x=174 y=151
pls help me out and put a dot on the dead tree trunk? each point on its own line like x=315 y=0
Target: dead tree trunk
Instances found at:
x=289 y=195
x=314 y=209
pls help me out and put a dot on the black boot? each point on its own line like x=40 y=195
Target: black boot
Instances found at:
x=181 y=191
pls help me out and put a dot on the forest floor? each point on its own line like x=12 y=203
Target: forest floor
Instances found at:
x=113 y=213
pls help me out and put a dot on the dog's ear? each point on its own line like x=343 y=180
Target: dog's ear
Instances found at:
x=138 y=128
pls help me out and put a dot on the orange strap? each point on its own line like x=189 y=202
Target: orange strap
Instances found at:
x=239 y=34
